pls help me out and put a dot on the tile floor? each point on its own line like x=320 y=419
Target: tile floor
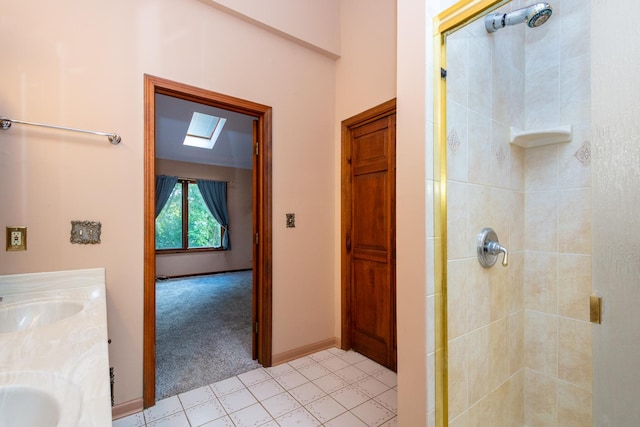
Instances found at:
x=331 y=388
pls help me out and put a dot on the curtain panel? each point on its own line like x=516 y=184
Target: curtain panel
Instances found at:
x=214 y=194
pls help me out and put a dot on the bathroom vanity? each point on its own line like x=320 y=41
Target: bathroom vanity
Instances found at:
x=54 y=367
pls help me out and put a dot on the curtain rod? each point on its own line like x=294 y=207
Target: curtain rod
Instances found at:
x=180 y=178
x=5 y=123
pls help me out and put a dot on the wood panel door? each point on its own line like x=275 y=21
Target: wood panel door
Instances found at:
x=368 y=228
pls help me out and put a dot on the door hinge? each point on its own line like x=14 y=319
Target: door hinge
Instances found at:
x=256 y=327
x=443 y=73
x=257 y=147
x=257 y=240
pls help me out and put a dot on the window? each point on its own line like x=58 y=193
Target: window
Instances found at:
x=193 y=231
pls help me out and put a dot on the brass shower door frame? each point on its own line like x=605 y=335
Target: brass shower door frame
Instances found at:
x=448 y=21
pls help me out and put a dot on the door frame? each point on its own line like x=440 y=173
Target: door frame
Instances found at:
x=262 y=219
x=386 y=109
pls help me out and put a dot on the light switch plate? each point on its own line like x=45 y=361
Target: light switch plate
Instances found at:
x=291 y=220
x=17 y=238
x=85 y=232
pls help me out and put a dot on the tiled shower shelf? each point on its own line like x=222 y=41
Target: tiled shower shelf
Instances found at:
x=540 y=137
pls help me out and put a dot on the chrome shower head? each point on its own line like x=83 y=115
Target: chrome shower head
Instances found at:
x=534 y=15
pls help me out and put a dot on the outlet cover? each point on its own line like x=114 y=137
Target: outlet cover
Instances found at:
x=17 y=238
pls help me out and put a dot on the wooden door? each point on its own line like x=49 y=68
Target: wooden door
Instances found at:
x=368 y=223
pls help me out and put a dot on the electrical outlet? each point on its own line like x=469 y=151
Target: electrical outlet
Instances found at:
x=16 y=238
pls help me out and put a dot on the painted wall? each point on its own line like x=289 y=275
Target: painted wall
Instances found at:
x=95 y=81
x=239 y=206
x=314 y=25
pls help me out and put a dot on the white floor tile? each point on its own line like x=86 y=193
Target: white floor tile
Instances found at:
x=388 y=399
x=345 y=420
x=135 y=420
x=371 y=386
x=237 y=400
x=303 y=361
x=280 y=404
x=351 y=374
x=387 y=376
x=252 y=416
x=291 y=380
x=393 y=422
x=372 y=413
x=330 y=383
x=321 y=355
x=307 y=393
x=266 y=389
x=369 y=366
x=276 y=371
x=334 y=363
x=179 y=419
x=325 y=409
x=254 y=377
x=347 y=390
x=350 y=397
x=314 y=371
x=220 y=422
x=205 y=412
x=353 y=357
x=298 y=418
x=227 y=386
x=163 y=408
x=196 y=397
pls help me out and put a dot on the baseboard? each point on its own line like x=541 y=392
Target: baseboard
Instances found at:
x=184 y=276
x=305 y=350
x=121 y=410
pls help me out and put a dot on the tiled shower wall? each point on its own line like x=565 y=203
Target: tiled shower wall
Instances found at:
x=519 y=337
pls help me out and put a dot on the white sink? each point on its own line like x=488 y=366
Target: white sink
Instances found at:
x=20 y=316
x=38 y=400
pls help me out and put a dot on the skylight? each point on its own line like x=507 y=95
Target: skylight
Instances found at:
x=204 y=130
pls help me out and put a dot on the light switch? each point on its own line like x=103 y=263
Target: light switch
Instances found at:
x=291 y=220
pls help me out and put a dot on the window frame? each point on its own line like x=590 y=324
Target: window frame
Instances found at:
x=185 y=225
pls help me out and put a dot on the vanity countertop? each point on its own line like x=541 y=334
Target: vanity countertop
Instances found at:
x=64 y=354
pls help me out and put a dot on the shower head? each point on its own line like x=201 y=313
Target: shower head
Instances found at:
x=534 y=15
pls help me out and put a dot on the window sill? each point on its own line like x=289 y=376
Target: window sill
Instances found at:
x=187 y=251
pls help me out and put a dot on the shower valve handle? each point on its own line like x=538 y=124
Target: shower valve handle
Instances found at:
x=488 y=249
x=494 y=248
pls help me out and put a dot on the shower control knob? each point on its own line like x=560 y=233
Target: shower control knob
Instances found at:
x=488 y=248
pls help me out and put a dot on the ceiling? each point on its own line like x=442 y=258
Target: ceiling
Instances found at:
x=233 y=148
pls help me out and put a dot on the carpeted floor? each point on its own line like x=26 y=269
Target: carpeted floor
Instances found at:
x=203 y=331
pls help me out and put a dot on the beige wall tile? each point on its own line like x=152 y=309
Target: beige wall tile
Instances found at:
x=541 y=168
x=457 y=292
x=575 y=159
x=574 y=286
x=482 y=414
x=541 y=281
x=479 y=127
x=541 y=342
x=498 y=353
x=479 y=295
x=541 y=222
x=461 y=421
x=516 y=282
x=574 y=221
x=574 y=406
x=479 y=361
x=458 y=377
x=540 y=393
x=516 y=399
x=499 y=291
x=516 y=342
x=574 y=352
x=457 y=240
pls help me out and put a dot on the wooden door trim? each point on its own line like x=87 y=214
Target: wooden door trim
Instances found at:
x=262 y=291
x=386 y=109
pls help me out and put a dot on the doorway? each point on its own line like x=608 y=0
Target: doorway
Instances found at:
x=261 y=197
x=368 y=234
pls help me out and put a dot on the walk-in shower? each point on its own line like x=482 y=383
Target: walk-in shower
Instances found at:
x=534 y=15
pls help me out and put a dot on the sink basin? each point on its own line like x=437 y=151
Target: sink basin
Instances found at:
x=25 y=407
x=20 y=316
x=37 y=399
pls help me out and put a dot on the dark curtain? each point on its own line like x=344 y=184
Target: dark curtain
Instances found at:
x=164 y=188
x=214 y=194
